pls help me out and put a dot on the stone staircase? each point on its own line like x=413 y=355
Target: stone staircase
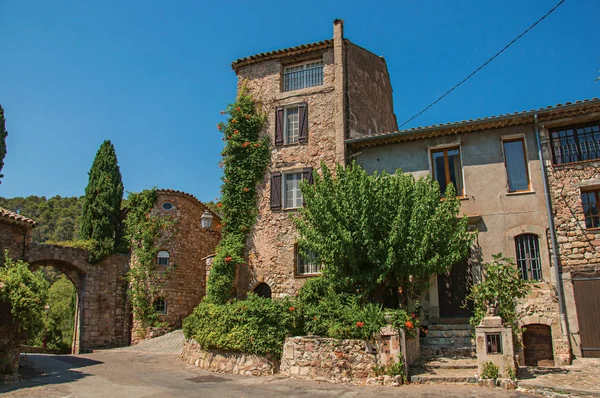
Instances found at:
x=447 y=356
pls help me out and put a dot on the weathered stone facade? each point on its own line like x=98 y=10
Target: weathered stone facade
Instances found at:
x=227 y=362
x=333 y=111
x=185 y=286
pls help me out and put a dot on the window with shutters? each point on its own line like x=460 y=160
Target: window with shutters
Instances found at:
x=446 y=165
x=528 y=257
x=307 y=263
x=303 y=75
x=285 y=188
x=291 y=124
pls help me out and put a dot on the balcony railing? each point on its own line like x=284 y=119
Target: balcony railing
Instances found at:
x=309 y=77
x=576 y=144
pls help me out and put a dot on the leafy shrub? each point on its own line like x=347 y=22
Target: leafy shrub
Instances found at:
x=407 y=320
x=490 y=371
x=256 y=325
x=74 y=243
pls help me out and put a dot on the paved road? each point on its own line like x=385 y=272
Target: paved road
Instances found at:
x=135 y=373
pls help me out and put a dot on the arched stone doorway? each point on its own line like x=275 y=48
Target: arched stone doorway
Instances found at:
x=537 y=345
x=263 y=290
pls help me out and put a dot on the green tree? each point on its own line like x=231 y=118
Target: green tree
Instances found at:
x=502 y=286
x=380 y=234
x=61 y=314
x=102 y=203
x=3 y=134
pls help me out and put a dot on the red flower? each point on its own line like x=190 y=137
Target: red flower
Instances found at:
x=314 y=318
x=291 y=308
x=238 y=109
x=246 y=189
x=233 y=121
x=228 y=259
x=247 y=116
x=360 y=324
x=235 y=132
x=225 y=180
x=409 y=325
x=219 y=204
x=219 y=126
x=257 y=145
x=245 y=144
x=413 y=315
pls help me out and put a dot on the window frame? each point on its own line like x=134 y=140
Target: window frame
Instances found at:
x=574 y=127
x=285 y=124
x=284 y=175
x=525 y=163
x=445 y=149
x=596 y=192
x=159 y=257
x=285 y=72
x=528 y=272
x=163 y=312
x=167 y=202
x=298 y=257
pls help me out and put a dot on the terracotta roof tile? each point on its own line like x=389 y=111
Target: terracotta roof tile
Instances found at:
x=14 y=217
x=286 y=52
x=472 y=124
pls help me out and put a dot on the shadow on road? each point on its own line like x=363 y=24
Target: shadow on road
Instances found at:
x=42 y=369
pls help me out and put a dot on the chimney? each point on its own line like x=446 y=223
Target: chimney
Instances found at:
x=340 y=89
x=338 y=31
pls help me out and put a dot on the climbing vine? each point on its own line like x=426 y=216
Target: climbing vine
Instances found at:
x=245 y=157
x=147 y=233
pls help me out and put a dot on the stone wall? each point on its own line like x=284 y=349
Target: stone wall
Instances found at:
x=9 y=345
x=328 y=359
x=226 y=362
x=14 y=237
x=185 y=286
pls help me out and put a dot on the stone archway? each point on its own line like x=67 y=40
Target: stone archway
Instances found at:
x=263 y=290
x=101 y=315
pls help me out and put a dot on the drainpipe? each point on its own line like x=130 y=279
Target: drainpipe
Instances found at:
x=555 y=256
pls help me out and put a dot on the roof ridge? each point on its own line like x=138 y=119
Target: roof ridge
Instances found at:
x=12 y=216
x=188 y=195
x=284 y=52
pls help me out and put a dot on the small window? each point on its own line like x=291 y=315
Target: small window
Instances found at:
x=447 y=168
x=163 y=258
x=576 y=143
x=589 y=201
x=528 y=257
x=307 y=74
x=167 y=205
x=307 y=264
x=292 y=125
x=516 y=165
x=285 y=188
x=493 y=342
x=160 y=306
x=292 y=196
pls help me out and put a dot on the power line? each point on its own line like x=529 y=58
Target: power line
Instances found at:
x=484 y=65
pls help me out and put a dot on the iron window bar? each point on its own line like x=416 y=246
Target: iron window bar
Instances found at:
x=576 y=144
x=309 y=77
x=528 y=257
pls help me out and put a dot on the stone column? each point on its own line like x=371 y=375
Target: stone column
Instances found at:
x=495 y=344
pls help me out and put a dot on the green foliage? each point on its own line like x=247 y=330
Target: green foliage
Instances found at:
x=58 y=218
x=490 y=371
x=511 y=373
x=393 y=369
x=256 y=325
x=373 y=232
x=26 y=292
x=102 y=203
x=245 y=157
x=214 y=208
x=75 y=244
x=503 y=285
x=407 y=320
x=3 y=135
x=147 y=233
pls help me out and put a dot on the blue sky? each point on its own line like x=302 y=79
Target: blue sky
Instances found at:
x=153 y=75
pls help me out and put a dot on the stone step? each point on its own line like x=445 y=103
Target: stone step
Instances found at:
x=442 y=379
x=450 y=352
x=449 y=341
x=446 y=363
x=448 y=326
x=450 y=333
x=462 y=372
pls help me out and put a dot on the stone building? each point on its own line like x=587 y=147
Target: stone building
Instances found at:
x=185 y=285
x=316 y=96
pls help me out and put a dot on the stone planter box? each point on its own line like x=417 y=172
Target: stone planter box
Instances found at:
x=227 y=362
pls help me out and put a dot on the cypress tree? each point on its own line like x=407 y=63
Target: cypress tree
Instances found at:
x=3 y=134
x=102 y=203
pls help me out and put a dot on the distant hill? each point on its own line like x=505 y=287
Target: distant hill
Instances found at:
x=58 y=218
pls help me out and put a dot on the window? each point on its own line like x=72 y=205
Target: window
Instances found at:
x=528 y=257
x=285 y=188
x=167 y=205
x=516 y=165
x=493 y=342
x=307 y=74
x=160 y=306
x=447 y=169
x=291 y=124
x=163 y=258
x=307 y=264
x=590 y=200
x=576 y=144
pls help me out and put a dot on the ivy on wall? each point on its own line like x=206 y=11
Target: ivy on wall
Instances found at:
x=245 y=158
x=148 y=233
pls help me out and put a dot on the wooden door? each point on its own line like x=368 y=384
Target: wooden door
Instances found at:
x=587 y=301
x=453 y=288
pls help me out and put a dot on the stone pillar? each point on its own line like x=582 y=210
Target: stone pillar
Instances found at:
x=340 y=91
x=495 y=344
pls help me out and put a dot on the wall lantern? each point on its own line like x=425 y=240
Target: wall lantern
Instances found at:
x=206 y=219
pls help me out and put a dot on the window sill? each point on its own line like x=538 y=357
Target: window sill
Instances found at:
x=305 y=276
x=288 y=209
x=517 y=193
x=304 y=91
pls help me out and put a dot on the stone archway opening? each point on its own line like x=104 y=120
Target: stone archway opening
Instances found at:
x=263 y=290
x=537 y=342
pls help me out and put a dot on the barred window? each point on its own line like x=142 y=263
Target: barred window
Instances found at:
x=528 y=257
x=160 y=306
x=576 y=144
x=163 y=258
x=307 y=264
x=307 y=74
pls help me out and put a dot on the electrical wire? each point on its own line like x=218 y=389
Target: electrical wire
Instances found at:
x=482 y=66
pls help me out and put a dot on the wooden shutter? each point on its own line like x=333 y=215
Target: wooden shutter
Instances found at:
x=308 y=175
x=303 y=122
x=276 y=190
x=279 y=126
